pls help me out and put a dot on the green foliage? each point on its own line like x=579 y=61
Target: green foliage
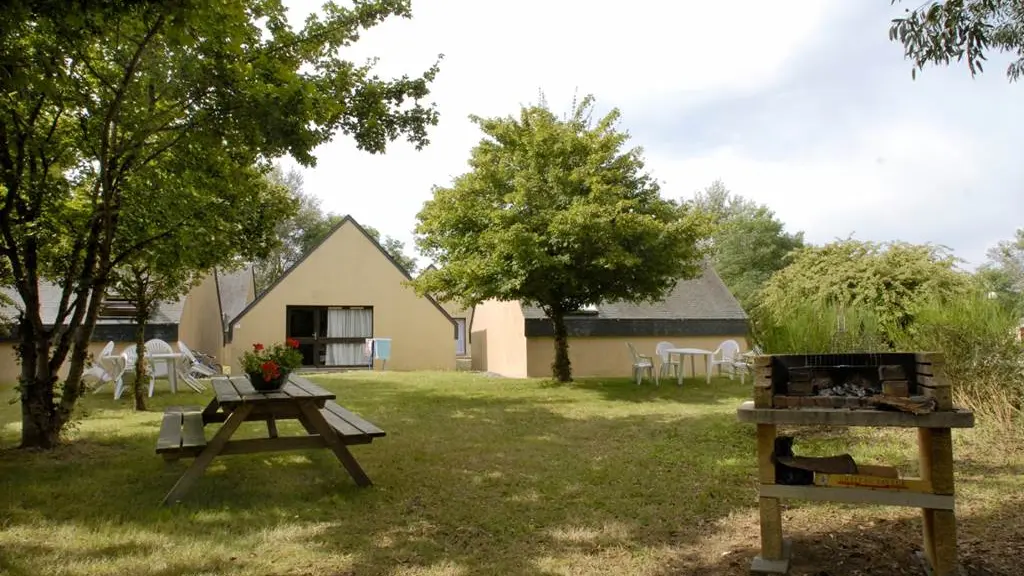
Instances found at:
x=890 y=280
x=984 y=358
x=99 y=100
x=1003 y=273
x=297 y=234
x=748 y=243
x=395 y=248
x=939 y=32
x=816 y=327
x=555 y=212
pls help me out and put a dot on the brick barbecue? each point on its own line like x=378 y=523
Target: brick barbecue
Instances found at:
x=854 y=381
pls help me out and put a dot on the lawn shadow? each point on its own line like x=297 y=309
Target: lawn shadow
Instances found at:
x=487 y=484
x=692 y=391
x=990 y=543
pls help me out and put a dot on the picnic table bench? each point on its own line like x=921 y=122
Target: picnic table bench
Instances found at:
x=327 y=425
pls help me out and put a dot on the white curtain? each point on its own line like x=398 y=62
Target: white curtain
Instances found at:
x=348 y=323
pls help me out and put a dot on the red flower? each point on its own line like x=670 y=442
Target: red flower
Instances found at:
x=292 y=343
x=257 y=346
x=270 y=370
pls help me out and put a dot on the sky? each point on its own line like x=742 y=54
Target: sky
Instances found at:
x=804 y=106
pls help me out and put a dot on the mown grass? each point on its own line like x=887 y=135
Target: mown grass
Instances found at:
x=476 y=476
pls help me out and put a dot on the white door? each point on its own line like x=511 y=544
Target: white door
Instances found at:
x=460 y=336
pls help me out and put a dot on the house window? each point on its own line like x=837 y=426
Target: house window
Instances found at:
x=333 y=336
x=460 y=336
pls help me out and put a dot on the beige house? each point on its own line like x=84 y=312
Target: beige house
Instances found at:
x=462 y=316
x=516 y=341
x=342 y=292
x=196 y=319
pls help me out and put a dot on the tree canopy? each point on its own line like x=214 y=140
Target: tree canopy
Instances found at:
x=93 y=94
x=961 y=30
x=556 y=213
x=891 y=280
x=1003 y=272
x=748 y=243
x=302 y=232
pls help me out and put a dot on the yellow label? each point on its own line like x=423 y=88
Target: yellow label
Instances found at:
x=860 y=481
x=226 y=370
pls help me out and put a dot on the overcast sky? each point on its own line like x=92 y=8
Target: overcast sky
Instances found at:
x=802 y=105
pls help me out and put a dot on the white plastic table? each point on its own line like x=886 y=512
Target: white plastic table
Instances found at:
x=692 y=353
x=171 y=360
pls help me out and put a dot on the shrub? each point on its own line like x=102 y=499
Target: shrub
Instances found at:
x=819 y=328
x=984 y=360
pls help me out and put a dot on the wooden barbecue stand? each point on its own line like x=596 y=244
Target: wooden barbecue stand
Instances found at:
x=933 y=492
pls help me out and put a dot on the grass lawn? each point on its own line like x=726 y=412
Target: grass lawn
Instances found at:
x=479 y=476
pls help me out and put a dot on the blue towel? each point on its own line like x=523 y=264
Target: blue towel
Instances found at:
x=382 y=348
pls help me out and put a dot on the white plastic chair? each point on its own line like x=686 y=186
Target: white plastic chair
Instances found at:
x=728 y=356
x=667 y=363
x=97 y=373
x=642 y=363
x=190 y=369
x=157 y=346
x=130 y=359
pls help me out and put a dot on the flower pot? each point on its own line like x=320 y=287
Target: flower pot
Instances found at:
x=264 y=385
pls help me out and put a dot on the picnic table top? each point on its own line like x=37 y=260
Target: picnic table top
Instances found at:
x=236 y=390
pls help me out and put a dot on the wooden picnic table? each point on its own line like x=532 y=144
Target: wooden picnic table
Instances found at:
x=235 y=401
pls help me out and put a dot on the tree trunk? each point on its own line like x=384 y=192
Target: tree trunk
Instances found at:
x=561 y=369
x=141 y=377
x=40 y=427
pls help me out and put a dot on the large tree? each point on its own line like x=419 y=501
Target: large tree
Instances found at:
x=395 y=248
x=167 y=268
x=1002 y=273
x=93 y=93
x=892 y=281
x=961 y=30
x=298 y=234
x=303 y=231
x=748 y=243
x=557 y=213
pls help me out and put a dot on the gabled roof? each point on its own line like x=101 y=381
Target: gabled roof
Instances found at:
x=166 y=313
x=703 y=298
x=338 y=226
x=699 y=306
x=233 y=292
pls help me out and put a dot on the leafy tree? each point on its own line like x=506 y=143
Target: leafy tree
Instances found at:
x=890 y=281
x=748 y=243
x=170 y=266
x=395 y=248
x=306 y=229
x=94 y=93
x=298 y=234
x=938 y=32
x=557 y=214
x=1003 y=273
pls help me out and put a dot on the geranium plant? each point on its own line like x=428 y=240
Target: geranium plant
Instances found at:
x=274 y=361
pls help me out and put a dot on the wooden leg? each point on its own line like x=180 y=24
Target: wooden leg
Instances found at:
x=312 y=415
x=210 y=410
x=771 y=529
x=211 y=451
x=935 y=447
x=774 y=555
x=272 y=427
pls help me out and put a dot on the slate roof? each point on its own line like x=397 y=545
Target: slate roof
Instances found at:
x=702 y=298
x=233 y=291
x=168 y=313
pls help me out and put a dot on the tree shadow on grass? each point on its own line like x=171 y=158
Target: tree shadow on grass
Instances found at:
x=466 y=482
x=990 y=543
x=491 y=485
x=692 y=391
